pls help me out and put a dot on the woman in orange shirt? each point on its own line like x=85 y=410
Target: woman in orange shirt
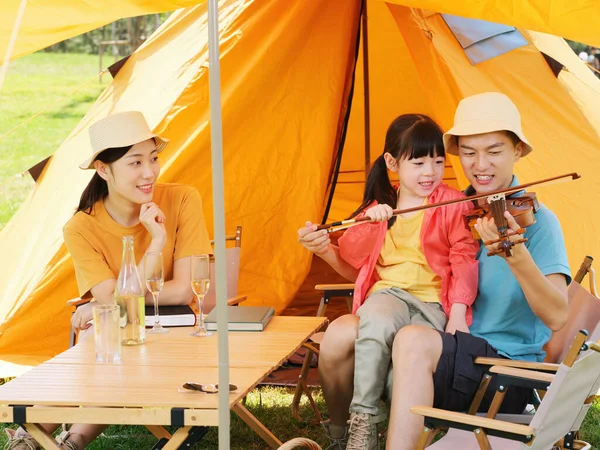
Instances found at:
x=123 y=198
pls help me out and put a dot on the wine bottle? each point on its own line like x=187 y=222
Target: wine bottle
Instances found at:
x=129 y=295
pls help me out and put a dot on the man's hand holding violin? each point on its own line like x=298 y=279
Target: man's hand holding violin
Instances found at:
x=488 y=231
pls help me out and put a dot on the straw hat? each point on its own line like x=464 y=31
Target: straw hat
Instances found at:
x=120 y=130
x=485 y=113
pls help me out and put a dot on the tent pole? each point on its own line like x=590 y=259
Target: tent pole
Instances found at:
x=11 y=43
x=365 y=34
x=216 y=139
x=333 y=177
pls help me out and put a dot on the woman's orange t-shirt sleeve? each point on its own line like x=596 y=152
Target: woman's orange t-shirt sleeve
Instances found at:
x=90 y=266
x=192 y=234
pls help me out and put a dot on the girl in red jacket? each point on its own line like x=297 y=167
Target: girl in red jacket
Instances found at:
x=416 y=268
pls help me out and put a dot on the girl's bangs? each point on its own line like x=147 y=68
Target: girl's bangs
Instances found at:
x=425 y=139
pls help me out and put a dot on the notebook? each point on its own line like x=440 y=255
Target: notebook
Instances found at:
x=171 y=316
x=242 y=318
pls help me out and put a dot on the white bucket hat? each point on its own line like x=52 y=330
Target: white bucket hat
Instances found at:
x=485 y=113
x=120 y=130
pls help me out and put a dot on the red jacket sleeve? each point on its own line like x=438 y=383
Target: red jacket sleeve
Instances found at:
x=357 y=242
x=462 y=256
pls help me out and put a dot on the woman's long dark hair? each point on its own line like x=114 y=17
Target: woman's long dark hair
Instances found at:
x=97 y=188
x=409 y=136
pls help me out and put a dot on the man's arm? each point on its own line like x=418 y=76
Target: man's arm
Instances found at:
x=545 y=294
x=318 y=242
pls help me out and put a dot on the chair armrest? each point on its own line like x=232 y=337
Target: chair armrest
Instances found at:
x=234 y=301
x=473 y=421
x=523 y=373
x=541 y=367
x=79 y=301
x=334 y=287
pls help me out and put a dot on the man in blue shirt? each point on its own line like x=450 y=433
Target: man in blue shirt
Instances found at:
x=510 y=325
x=522 y=298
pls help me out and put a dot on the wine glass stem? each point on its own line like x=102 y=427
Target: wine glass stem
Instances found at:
x=201 y=312
x=155 y=298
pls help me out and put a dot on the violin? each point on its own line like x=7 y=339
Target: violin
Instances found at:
x=522 y=208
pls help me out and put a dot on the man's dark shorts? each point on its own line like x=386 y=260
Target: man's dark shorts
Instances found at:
x=457 y=377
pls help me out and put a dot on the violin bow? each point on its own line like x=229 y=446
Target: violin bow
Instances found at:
x=343 y=224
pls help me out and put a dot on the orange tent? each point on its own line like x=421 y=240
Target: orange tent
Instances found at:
x=288 y=80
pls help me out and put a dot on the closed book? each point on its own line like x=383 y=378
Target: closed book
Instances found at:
x=171 y=316
x=242 y=318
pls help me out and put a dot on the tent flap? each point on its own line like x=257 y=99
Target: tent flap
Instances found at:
x=483 y=40
x=572 y=19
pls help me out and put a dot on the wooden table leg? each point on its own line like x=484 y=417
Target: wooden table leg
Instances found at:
x=257 y=426
x=177 y=439
x=42 y=437
x=158 y=431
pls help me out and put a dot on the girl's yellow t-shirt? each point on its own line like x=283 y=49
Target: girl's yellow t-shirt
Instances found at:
x=402 y=263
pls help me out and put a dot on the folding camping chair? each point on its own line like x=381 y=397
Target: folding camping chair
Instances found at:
x=233 y=268
x=570 y=393
x=233 y=272
x=584 y=314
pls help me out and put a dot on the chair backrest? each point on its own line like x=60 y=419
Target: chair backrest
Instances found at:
x=584 y=314
x=233 y=270
x=567 y=399
x=237 y=237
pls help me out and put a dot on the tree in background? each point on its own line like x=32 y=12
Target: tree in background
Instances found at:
x=126 y=35
x=135 y=30
x=590 y=55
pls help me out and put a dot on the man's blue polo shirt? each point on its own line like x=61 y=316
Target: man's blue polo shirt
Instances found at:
x=501 y=314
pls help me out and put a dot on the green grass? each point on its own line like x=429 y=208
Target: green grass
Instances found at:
x=33 y=83
x=590 y=429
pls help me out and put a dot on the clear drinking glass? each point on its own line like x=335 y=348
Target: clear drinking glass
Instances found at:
x=200 y=279
x=154 y=273
x=107 y=333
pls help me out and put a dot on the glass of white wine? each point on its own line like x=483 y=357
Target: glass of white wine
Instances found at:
x=200 y=279
x=154 y=273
